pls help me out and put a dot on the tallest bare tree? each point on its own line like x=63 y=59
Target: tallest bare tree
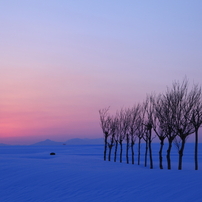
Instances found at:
x=196 y=120
x=183 y=104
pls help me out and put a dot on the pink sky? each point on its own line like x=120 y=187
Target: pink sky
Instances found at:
x=63 y=61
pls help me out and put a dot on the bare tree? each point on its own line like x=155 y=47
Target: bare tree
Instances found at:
x=148 y=123
x=146 y=139
x=112 y=125
x=110 y=145
x=184 y=105
x=116 y=136
x=140 y=130
x=123 y=124
x=196 y=117
x=133 y=127
x=196 y=120
x=158 y=126
x=167 y=116
x=125 y=130
x=105 y=125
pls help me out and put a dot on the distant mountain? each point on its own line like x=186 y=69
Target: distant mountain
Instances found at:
x=85 y=141
x=1 y=144
x=75 y=141
x=48 y=142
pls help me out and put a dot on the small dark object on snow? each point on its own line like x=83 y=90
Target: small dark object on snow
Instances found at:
x=52 y=153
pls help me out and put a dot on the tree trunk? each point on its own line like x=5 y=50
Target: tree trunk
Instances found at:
x=127 y=159
x=150 y=150
x=181 y=154
x=105 y=149
x=150 y=155
x=127 y=149
x=168 y=154
x=145 y=158
x=121 y=151
x=110 y=150
x=133 y=153
x=196 y=149
x=160 y=154
x=139 y=147
x=115 y=151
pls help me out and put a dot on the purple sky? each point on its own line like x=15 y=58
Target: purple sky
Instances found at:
x=61 y=61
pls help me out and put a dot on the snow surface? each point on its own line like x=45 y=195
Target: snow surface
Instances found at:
x=78 y=173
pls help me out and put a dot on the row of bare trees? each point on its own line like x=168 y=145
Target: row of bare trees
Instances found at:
x=172 y=116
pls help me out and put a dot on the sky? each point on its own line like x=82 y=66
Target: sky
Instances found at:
x=61 y=61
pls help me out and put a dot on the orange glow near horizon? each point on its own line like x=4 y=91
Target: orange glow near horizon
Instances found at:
x=45 y=106
x=23 y=121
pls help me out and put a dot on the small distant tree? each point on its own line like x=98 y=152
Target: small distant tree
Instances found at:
x=116 y=137
x=146 y=138
x=123 y=129
x=106 y=127
x=112 y=125
x=110 y=146
x=140 y=130
x=126 y=125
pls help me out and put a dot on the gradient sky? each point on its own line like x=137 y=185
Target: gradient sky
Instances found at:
x=61 y=61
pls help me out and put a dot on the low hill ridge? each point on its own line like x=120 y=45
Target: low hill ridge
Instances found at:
x=74 y=141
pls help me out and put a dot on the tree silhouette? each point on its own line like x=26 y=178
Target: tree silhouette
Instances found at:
x=184 y=104
x=196 y=120
x=148 y=123
x=105 y=125
x=133 y=127
x=158 y=126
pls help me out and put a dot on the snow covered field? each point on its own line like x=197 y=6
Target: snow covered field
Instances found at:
x=78 y=173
